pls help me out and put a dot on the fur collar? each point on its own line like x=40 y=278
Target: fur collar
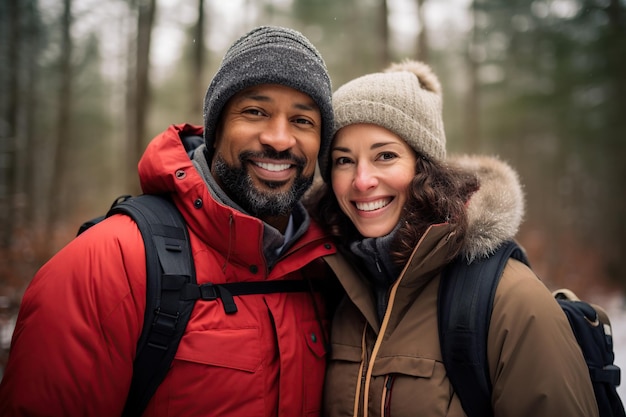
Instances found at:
x=496 y=210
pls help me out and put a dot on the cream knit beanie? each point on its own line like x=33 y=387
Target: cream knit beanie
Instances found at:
x=405 y=99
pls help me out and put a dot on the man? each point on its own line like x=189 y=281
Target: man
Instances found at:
x=267 y=114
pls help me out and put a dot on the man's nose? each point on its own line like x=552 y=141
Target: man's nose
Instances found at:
x=277 y=134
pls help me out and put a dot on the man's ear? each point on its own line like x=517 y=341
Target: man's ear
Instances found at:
x=218 y=132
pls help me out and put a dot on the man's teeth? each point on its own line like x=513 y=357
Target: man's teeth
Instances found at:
x=273 y=167
x=373 y=205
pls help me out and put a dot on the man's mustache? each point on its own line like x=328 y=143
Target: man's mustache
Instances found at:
x=273 y=154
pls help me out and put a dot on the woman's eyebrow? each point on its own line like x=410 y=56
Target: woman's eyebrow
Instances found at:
x=340 y=149
x=381 y=144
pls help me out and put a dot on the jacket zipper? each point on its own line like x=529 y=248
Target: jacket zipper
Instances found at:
x=361 y=375
x=386 y=400
x=377 y=261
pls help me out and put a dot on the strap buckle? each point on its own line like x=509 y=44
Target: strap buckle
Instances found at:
x=209 y=292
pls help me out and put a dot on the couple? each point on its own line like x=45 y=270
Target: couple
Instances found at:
x=391 y=213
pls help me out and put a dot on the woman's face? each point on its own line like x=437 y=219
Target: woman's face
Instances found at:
x=371 y=169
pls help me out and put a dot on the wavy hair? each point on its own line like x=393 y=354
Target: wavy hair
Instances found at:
x=437 y=194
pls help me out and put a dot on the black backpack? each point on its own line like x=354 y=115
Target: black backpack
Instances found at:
x=465 y=303
x=171 y=290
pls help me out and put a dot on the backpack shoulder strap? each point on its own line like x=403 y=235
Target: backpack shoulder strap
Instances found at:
x=465 y=301
x=169 y=268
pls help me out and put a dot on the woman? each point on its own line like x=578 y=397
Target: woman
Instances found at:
x=401 y=212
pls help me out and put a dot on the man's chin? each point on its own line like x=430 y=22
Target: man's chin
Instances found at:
x=274 y=186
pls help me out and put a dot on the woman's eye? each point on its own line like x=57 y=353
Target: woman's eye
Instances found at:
x=342 y=160
x=386 y=156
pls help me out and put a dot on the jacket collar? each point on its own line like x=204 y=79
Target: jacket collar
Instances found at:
x=496 y=210
x=166 y=168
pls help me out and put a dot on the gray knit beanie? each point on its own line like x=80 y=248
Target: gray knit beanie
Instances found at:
x=270 y=55
x=405 y=99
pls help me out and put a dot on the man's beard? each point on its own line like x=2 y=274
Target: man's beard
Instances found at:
x=237 y=183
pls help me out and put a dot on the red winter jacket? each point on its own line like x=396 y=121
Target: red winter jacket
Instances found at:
x=80 y=319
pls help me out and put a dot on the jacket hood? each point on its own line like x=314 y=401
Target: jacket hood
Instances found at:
x=167 y=168
x=496 y=210
x=166 y=159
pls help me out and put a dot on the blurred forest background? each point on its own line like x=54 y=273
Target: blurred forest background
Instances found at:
x=85 y=84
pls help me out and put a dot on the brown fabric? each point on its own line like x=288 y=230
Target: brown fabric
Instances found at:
x=535 y=364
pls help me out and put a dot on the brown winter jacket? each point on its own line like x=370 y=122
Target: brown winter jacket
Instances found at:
x=394 y=368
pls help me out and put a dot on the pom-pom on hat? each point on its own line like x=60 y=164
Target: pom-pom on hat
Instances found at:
x=270 y=55
x=405 y=99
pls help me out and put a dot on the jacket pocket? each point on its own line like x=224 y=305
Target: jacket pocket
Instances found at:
x=315 y=337
x=224 y=361
x=405 y=385
x=406 y=365
x=229 y=348
x=345 y=353
x=343 y=380
x=314 y=361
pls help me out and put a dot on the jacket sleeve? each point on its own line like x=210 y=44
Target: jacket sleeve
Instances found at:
x=535 y=363
x=75 y=338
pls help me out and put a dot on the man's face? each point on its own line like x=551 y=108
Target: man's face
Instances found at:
x=266 y=148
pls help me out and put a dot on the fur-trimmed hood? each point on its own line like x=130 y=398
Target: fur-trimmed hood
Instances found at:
x=496 y=210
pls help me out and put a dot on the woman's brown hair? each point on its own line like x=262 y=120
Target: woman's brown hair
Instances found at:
x=437 y=194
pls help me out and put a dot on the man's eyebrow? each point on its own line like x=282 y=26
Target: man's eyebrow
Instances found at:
x=306 y=107
x=255 y=96
x=263 y=98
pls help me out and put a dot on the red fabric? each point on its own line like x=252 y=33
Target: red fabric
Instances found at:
x=80 y=318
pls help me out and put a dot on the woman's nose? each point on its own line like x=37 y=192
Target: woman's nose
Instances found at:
x=365 y=177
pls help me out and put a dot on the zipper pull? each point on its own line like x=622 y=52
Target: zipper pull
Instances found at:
x=387 y=403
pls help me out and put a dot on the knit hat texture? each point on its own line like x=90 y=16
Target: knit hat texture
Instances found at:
x=270 y=55
x=405 y=99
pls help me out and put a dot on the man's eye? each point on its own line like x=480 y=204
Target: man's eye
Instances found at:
x=253 y=112
x=303 y=121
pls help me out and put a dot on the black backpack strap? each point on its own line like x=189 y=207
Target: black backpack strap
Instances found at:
x=172 y=290
x=89 y=223
x=465 y=301
x=169 y=268
x=227 y=291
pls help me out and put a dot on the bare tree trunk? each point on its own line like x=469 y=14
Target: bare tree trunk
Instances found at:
x=20 y=45
x=129 y=171
x=139 y=92
x=63 y=129
x=422 y=37
x=616 y=207
x=197 y=67
x=8 y=142
x=384 y=55
x=472 y=112
x=27 y=113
